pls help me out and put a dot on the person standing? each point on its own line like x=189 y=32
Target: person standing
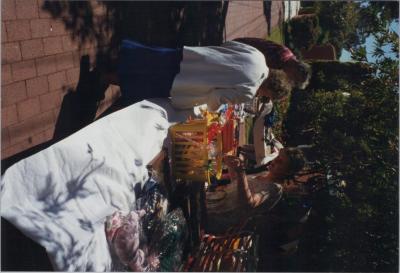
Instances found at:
x=214 y=75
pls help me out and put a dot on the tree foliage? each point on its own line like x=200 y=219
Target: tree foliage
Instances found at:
x=350 y=114
x=302 y=32
x=347 y=24
x=338 y=21
x=355 y=133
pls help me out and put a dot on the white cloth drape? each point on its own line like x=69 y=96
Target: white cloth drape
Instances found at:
x=214 y=75
x=60 y=196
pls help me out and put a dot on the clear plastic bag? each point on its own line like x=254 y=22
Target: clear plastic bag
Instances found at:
x=168 y=241
x=154 y=202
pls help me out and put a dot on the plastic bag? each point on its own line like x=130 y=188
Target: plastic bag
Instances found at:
x=124 y=236
x=168 y=241
x=155 y=204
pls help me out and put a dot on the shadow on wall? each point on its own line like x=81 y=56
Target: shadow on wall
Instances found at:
x=160 y=23
x=267 y=5
x=79 y=107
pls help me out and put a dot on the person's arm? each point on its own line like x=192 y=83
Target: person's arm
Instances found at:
x=236 y=172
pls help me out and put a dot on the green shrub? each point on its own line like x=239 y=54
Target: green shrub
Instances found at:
x=327 y=76
x=353 y=124
x=333 y=75
x=302 y=32
x=306 y=10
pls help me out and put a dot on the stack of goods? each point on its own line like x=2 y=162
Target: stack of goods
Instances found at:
x=199 y=144
x=197 y=149
x=229 y=131
x=233 y=253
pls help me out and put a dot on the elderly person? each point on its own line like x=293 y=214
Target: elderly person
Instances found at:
x=247 y=195
x=279 y=56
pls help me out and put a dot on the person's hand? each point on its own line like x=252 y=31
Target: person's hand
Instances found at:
x=234 y=163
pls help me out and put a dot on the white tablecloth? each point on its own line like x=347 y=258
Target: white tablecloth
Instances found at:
x=60 y=196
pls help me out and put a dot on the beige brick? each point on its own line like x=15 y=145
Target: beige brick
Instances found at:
x=23 y=70
x=28 y=108
x=31 y=126
x=73 y=76
x=56 y=112
x=46 y=65
x=68 y=43
x=10 y=53
x=6 y=74
x=13 y=93
x=7 y=151
x=37 y=86
x=32 y=49
x=65 y=61
x=57 y=28
x=43 y=13
x=49 y=132
x=57 y=81
x=77 y=58
x=8 y=10
x=41 y=138
x=40 y=28
x=3 y=33
x=27 y=9
x=5 y=138
x=15 y=148
x=50 y=100
x=18 y=30
x=52 y=45
x=9 y=116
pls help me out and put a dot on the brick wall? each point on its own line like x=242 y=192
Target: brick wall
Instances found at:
x=247 y=19
x=277 y=13
x=40 y=63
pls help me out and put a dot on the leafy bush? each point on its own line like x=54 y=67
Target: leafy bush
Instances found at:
x=302 y=32
x=306 y=10
x=281 y=109
x=333 y=75
x=353 y=124
x=327 y=76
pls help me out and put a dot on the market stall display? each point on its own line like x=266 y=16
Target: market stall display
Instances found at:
x=197 y=149
x=71 y=187
x=199 y=144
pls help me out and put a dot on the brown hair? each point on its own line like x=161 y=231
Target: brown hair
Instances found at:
x=302 y=71
x=277 y=83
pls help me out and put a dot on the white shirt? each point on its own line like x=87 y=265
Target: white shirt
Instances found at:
x=214 y=75
x=264 y=153
x=260 y=146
